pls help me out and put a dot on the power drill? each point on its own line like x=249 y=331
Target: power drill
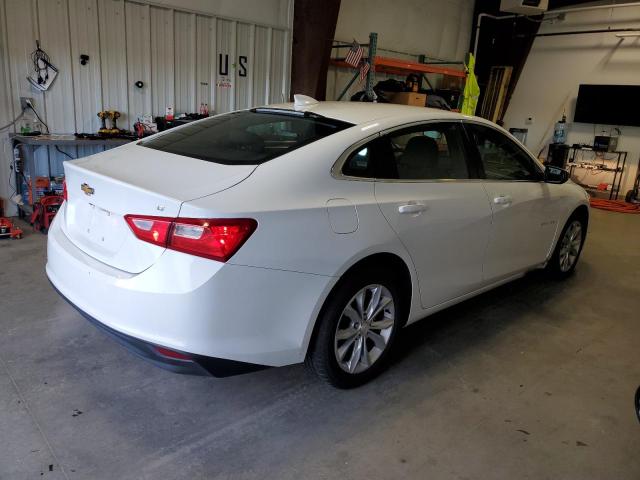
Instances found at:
x=114 y=115
x=103 y=116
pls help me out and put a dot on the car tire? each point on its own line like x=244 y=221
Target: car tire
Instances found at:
x=568 y=248
x=336 y=320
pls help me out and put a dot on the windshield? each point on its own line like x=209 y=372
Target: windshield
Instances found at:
x=246 y=137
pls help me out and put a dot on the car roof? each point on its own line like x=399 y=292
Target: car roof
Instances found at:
x=363 y=112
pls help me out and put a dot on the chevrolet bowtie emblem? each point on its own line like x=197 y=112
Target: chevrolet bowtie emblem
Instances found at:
x=87 y=189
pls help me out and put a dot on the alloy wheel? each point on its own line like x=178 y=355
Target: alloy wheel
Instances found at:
x=570 y=246
x=364 y=329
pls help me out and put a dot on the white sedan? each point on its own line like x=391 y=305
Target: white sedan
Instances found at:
x=311 y=231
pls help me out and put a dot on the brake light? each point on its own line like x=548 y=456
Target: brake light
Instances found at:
x=217 y=239
x=64 y=190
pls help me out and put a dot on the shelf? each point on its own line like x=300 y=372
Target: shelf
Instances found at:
x=599 y=165
x=600 y=169
x=392 y=65
x=67 y=139
x=590 y=187
x=396 y=66
x=590 y=149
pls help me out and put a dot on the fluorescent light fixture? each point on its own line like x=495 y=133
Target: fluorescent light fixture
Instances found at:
x=628 y=34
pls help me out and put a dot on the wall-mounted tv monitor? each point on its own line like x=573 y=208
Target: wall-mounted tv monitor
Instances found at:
x=608 y=105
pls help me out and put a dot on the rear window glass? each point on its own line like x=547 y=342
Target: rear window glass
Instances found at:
x=247 y=137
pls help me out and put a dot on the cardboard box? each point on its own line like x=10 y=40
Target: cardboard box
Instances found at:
x=410 y=98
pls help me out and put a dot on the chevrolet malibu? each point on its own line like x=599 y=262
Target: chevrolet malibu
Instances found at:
x=311 y=231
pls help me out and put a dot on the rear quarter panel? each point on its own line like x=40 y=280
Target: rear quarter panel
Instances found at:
x=288 y=197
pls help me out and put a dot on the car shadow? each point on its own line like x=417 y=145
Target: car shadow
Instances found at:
x=480 y=318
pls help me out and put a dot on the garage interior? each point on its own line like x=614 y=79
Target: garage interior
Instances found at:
x=535 y=379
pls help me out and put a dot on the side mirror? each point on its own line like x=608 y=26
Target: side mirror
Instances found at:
x=555 y=174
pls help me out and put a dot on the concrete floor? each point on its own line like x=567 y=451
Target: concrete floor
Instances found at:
x=533 y=380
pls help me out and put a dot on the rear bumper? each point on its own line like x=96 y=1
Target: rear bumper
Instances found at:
x=196 y=365
x=215 y=312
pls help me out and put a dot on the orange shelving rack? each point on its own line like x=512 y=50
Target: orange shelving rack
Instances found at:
x=395 y=66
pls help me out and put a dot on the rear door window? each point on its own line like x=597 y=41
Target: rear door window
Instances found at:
x=247 y=137
x=432 y=151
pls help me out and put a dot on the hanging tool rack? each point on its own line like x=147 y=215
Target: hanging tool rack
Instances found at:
x=395 y=66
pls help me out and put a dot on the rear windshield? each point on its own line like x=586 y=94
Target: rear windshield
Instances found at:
x=245 y=138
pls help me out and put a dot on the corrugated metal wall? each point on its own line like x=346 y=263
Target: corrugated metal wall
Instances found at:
x=184 y=59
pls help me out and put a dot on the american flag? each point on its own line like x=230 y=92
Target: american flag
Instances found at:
x=354 y=55
x=364 y=69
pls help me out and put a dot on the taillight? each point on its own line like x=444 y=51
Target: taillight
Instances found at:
x=217 y=239
x=150 y=229
x=64 y=190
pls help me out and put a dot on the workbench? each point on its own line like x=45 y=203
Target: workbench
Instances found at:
x=28 y=147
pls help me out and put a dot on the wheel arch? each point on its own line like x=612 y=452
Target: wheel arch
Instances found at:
x=395 y=264
x=581 y=212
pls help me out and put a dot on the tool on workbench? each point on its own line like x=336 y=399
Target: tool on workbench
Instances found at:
x=112 y=130
x=114 y=115
x=103 y=115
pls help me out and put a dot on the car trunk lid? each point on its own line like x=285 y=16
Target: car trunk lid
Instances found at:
x=101 y=189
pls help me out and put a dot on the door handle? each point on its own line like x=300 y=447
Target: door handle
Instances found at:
x=410 y=208
x=503 y=200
